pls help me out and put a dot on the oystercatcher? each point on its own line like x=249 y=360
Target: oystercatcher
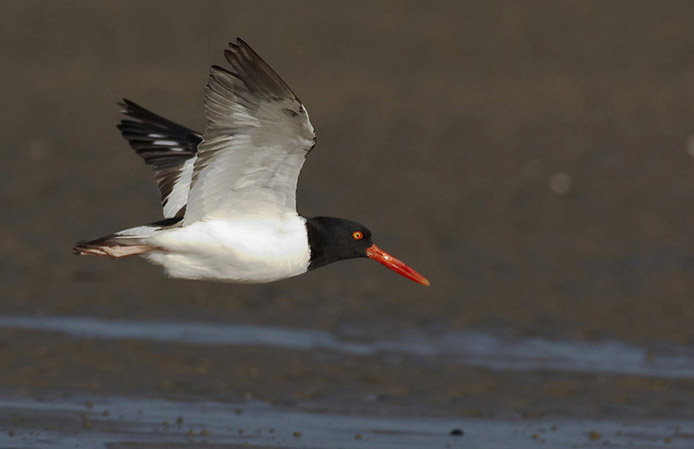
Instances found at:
x=229 y=195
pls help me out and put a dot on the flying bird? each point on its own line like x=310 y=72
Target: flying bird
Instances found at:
x=229 y=194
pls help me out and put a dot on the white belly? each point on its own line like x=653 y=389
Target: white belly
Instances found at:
x=262 y=250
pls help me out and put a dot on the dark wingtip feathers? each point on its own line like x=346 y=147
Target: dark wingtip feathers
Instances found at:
x=255 y=73
x=163 y=144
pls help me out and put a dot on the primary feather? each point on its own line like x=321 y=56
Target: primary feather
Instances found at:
x=168 y=147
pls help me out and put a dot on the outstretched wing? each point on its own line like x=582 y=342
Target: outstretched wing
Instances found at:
x=168 y=147
x=257 y=138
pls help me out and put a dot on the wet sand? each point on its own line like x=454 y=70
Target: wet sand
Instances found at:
x=94 y=383
x=533 y=160
x=119 y=423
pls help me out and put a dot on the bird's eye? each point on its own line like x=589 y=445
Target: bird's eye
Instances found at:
x=357 y=235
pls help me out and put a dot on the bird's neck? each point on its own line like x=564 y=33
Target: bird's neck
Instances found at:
x=318 y=242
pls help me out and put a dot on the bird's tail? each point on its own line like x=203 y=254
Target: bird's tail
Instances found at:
x=130 y=242
x=113 y=246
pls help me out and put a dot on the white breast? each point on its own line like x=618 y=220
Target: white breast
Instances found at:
x=249 y=250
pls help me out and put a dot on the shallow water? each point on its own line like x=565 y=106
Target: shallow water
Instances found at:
x=120 y=422
x=480 y=348
x=54 y=409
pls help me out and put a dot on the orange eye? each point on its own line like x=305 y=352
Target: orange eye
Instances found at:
x=357 y=235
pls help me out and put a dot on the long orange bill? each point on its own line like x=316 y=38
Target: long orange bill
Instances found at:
x=377 y=254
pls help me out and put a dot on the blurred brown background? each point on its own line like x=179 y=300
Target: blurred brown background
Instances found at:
x=530 y=158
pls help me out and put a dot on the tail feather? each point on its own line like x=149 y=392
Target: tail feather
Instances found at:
x=129 y=242
x=113 y=246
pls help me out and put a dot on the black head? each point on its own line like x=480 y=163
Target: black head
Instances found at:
x=332 y=239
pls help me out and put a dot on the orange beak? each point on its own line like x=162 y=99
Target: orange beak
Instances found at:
x=377 y=254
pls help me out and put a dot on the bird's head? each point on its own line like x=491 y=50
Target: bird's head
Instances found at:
x=332 y=239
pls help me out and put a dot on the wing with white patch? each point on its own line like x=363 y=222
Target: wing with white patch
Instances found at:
x=168 y=147
x=257 y=138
